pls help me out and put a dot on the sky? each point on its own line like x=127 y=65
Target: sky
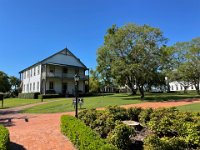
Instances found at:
x=31 y=30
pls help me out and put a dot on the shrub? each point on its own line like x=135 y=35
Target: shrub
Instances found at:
x=104 y=124
x=153 y=142
x=50 y=92
x=82 y=136
x=28 y=95
x=144 y=116
x=49 y=96
x=117 y=112
x=4 y=138
x=164 y=127
x=120 y=136
x=101 y=121
x=175 y=127
x=88 y=116
x=133 y=113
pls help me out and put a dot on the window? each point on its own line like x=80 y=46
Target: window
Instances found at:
x=172 y=87
x=76 y=71
x=33 y=86
x=181 y=88
x=38 y=70
x=177 y=87
x=51 y=69
x=31 y=72
x=65 y=70
x=30 y=87
x=192 y=87
x=34 y=72
x=51 y=85
x=38 y=84
x=24 y=75
x=27 y=88
x=24 y=88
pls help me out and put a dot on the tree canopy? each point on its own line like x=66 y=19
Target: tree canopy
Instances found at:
x=187 y=63
x=132 y=55
x=4 y=82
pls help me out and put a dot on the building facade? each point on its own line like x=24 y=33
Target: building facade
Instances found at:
x=55 y=74
x=179 y=86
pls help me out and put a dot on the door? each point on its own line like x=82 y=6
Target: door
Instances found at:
x=64 y=88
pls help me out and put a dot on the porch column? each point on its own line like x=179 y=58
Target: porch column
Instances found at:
x=45 y=82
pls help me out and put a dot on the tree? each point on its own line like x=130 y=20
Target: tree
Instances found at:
x=15 y=83
x=187 y=68
x=4 y=82
x=94 y=84
x=132 y=55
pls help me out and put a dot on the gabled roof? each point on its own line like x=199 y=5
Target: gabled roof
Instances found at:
x=64 y=51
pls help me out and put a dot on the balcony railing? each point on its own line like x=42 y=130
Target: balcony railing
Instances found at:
x=63 y=75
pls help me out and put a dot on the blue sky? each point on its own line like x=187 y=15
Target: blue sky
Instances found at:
x=31 y=30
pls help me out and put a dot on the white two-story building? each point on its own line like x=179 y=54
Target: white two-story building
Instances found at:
x=55 y=74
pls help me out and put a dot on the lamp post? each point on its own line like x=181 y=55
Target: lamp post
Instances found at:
x=76 y=79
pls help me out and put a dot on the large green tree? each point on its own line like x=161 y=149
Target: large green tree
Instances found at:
x=187 y=67
x=132 y=55
x=4 y=82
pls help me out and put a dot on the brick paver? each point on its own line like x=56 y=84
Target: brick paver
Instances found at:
x=41 y=132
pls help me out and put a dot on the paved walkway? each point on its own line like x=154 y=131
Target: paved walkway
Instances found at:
x=42 y=131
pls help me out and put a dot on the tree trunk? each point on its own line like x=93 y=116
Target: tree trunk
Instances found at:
x=197 y=88
x=141 y=89
x=133 y=91
x=168 y=88
x=185 y=89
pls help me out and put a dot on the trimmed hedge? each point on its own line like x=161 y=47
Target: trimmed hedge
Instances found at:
x=4 y=138
x=49 y=96
x=28 y=95
x=82 y=136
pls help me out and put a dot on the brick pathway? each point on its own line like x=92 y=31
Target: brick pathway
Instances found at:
x=42 y=131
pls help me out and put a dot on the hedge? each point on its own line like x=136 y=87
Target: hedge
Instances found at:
x=49 y=96
x=82 y=136
x=4 y=138
x=28 y=95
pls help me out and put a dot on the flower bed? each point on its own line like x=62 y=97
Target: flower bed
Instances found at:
x=163 y=129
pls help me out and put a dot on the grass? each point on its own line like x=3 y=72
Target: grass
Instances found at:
x=89 y=102
x=190 y=107
x=15 y=102
x=102 y=101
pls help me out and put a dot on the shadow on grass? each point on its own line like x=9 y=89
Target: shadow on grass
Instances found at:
x=15 y=146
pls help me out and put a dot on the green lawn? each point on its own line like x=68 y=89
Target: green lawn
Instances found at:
x=191 y=107
x=89 y=102
x=103 y=101
x=14 y=102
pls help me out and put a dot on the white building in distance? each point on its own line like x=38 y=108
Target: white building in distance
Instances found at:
x=178 y=86
x=55 y=75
